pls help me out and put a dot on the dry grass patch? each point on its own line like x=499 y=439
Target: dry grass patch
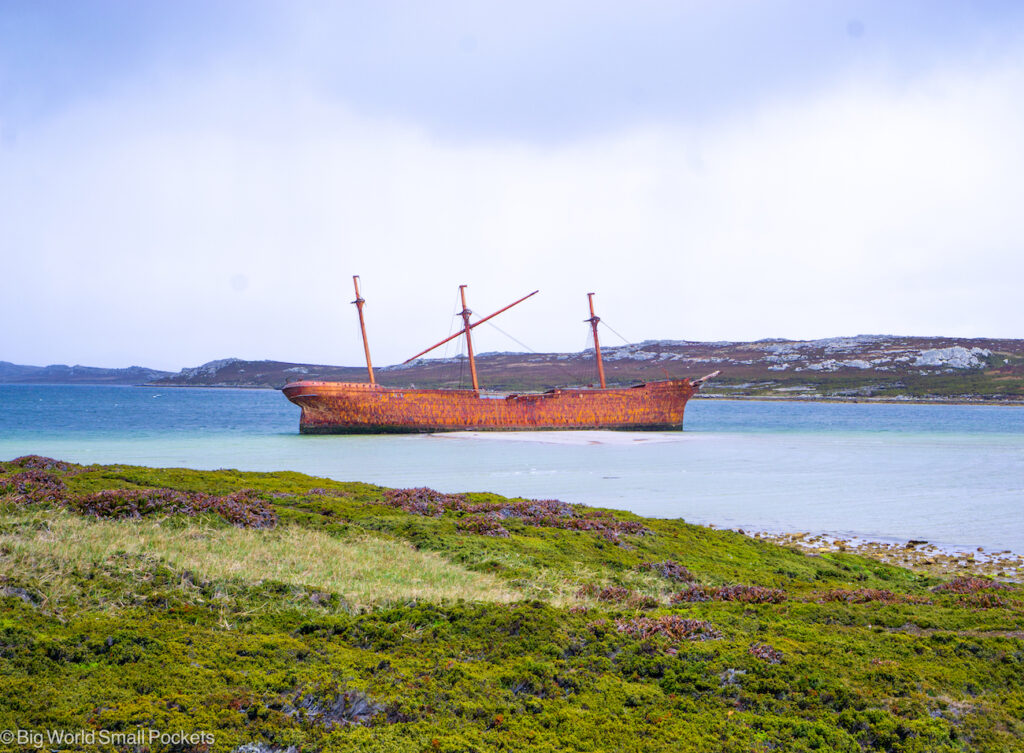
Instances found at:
x=366 y=571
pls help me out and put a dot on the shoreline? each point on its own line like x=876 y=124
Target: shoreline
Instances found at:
x=878 y=400
x=917 y=556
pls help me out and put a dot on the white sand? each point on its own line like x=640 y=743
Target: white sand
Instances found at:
x=620 y=438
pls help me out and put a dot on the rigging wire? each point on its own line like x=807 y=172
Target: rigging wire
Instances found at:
x=462 y=363
x=520 y=343
x=451 y=323
x=582 y=374
x=448 y=371
x=588 y=366
x=627 y=342
x=572 y=376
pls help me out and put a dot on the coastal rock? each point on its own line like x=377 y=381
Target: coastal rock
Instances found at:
x=956 y=357
x=338 y=709
x=210 y=368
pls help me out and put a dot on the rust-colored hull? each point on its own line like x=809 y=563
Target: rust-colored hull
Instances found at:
x=354 y=408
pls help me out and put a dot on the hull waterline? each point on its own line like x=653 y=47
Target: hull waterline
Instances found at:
x=357 y=408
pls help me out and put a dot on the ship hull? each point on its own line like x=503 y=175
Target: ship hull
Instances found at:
x=356 y=408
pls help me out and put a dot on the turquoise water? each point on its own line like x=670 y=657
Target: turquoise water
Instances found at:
x=952 y=475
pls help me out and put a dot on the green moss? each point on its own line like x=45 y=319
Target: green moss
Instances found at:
x=130 y=642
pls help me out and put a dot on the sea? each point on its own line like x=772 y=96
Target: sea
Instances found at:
x=952 y=475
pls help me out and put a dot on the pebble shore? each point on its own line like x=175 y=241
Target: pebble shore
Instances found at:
x=920 y=556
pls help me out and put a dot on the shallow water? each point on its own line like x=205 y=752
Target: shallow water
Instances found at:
x=952 y=475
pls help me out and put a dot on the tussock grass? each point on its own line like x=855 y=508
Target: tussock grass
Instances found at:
x=365 y=570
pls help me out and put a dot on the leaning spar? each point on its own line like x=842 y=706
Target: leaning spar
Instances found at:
x=466 y=327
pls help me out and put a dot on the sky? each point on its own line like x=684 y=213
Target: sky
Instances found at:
x=187 y=181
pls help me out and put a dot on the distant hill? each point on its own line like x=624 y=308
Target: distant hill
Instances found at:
x=865 y=366
x=12 y=373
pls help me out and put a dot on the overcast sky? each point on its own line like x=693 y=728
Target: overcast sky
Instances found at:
x=185 y=181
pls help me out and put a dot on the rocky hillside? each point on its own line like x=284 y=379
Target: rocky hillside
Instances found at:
x=880 y=366
x=12 y=373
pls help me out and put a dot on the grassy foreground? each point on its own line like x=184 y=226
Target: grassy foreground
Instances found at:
x=276 y=611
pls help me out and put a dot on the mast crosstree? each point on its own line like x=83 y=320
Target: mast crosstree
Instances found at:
x=465 y=313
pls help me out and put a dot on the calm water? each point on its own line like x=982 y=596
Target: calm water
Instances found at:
x=952 y=475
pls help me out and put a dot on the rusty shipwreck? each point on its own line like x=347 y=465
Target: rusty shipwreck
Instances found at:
x=369 y=408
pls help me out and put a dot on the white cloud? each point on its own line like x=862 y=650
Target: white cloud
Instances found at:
x=127 y=223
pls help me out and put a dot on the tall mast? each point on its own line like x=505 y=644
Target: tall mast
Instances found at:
x=465 y=313
x=362 y=327
x=594 y=319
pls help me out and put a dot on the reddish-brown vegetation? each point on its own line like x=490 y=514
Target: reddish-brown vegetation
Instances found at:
x=617 y=595
x=550 y=513
x=981 y=601
x=866 y=595
x=35 y=486
x=746 y=594
x=967 y=584
x=671 y=626
x=481 y=525
x=669 y=569
x=244 y=508
x=765 y=653
x=38 y=462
